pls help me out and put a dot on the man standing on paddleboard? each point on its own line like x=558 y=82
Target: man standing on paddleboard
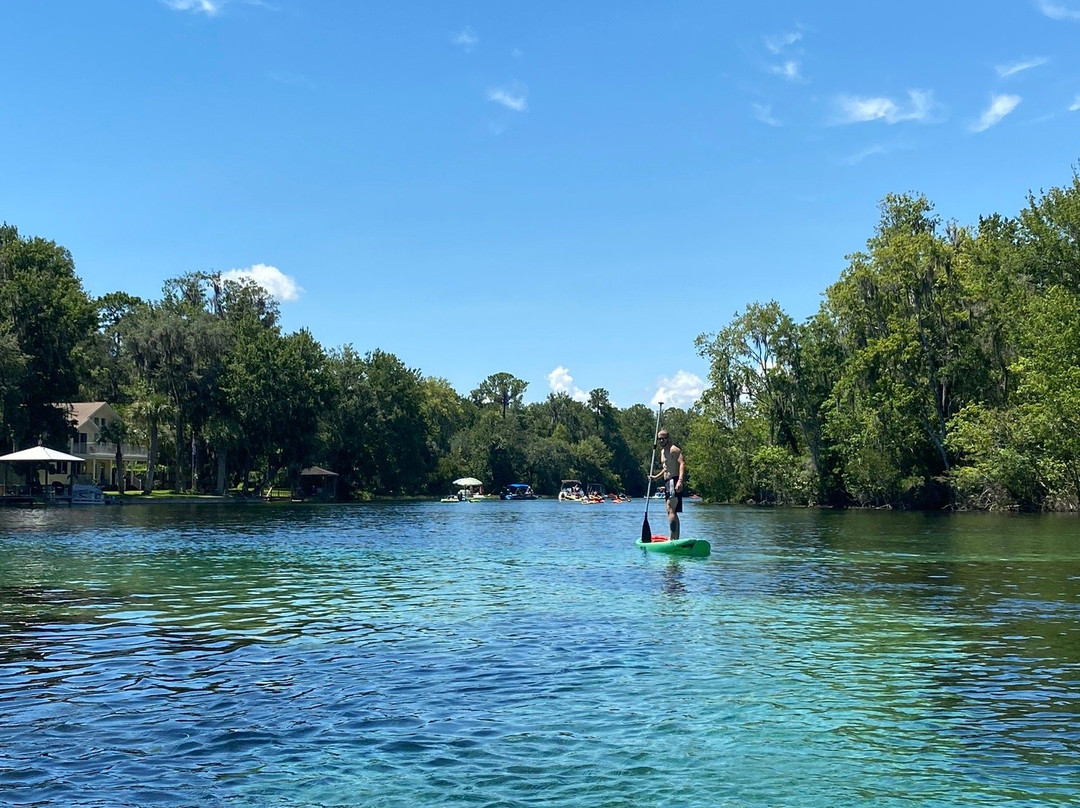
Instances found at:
x=673 y=470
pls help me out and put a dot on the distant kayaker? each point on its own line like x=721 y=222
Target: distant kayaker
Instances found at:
x=673 y=470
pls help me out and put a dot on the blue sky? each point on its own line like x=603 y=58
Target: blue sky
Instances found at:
x=568 y=192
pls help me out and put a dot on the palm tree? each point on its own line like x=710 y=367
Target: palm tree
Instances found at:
x=116 y=432
x=150 y=410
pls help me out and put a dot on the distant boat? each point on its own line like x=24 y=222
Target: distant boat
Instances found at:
x=517 y=491
x=87 y=494
x=594 y=494
x=570 y=490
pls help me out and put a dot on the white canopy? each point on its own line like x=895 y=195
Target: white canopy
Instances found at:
x=40 y=454
x=467 y=481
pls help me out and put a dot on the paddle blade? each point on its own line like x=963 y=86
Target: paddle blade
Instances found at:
x=646 y=531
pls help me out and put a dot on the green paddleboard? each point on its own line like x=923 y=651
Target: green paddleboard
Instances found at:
x=697 y=548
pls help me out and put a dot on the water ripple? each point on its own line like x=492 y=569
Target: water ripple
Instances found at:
x=524 y=654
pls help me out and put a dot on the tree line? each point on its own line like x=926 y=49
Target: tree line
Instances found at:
x=942 y=369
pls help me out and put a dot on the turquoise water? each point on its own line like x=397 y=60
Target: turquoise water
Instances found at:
x=526 y=654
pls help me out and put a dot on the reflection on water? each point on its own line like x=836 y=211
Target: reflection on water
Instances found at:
x=525 y=653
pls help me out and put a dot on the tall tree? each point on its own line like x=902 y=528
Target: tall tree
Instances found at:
x=178 y=346
x=149 y=411
x=117 y=433
x=502 y=389
x=347 y=422
x=46 y=322
x=111 y=369
x=12 y=367
x=444 y=414
x=899 y=313
x=397 y=431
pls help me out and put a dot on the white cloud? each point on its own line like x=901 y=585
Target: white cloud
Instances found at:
x=1000 y=106
x=1016 y=67
x=1057 y=11
x=777 y=43
x=561 y=381
x=467 y=39
x=1075 y=104
x=682 y=390
x=272 y=279
x=780 y=45
x=789 y=70
x=763 y=112
x=855 y=109
x=208 y=7
x=870 y=151
x=512 y=97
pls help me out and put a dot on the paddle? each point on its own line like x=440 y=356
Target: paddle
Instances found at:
x=646 y=531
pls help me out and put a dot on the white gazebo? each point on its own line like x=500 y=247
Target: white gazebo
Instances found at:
x=35 y=458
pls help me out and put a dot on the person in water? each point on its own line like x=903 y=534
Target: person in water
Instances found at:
x=673 y=470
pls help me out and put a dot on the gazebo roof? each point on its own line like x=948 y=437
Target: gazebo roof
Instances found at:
x=40 y=454
x=315 y=471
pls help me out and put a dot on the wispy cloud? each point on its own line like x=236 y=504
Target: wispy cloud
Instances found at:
x=876 y=150
x=512 y=97
x=1057 y=11
x=290 y=79
x=777 y=43
x=1000 y=106
x=207 y=7
x=211 y=8
x=764 y=113
x=1018 y=67
x=272 y=279
x=681 y=390
x=790 y=67
x=467 y=39
x=1075 y=104
x=870 y=151
x=857 y=109
x=788 y=70
x=561 y=381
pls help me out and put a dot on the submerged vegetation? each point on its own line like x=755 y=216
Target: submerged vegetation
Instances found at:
x=941 y=370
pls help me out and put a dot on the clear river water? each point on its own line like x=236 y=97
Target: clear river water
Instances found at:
x=526 y=654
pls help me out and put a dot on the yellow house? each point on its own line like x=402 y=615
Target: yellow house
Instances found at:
x=90 y=419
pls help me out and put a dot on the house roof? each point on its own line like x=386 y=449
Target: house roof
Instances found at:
x=83 y=411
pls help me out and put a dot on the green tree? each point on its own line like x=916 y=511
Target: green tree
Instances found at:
x=110 y=366
x=275 y=393
x=1048 y=237
x=12 y=367
x=501 y=389
x=636 y=428
x=46 y=323
x=178 y=347
x=444 y=414
x=899 y=312
x=148 y=411
x=116 y=433
x=348 y=420
x=592 y=462
x=752 y=407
